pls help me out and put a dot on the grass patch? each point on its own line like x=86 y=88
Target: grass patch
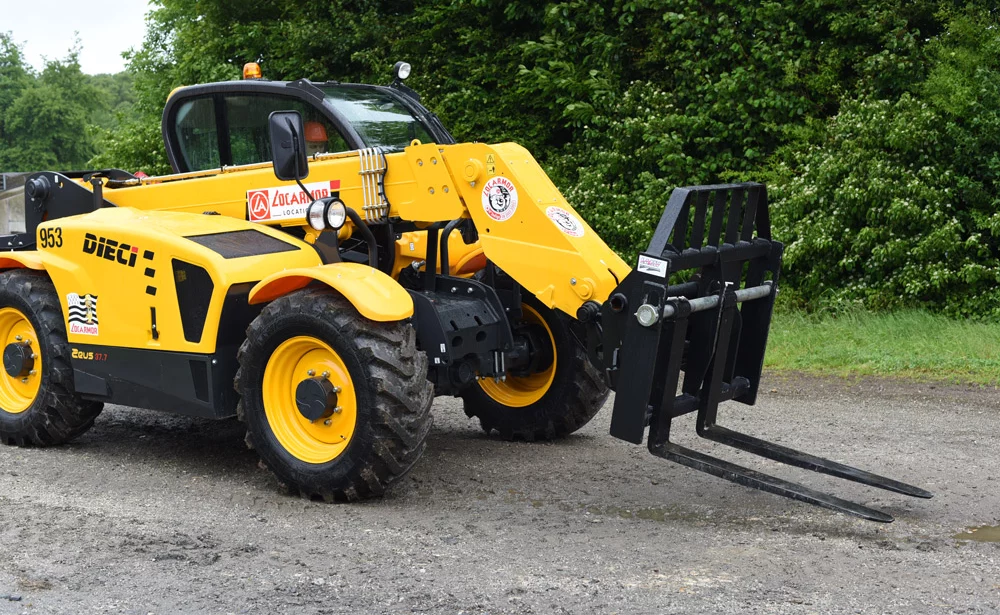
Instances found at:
x=910 y=344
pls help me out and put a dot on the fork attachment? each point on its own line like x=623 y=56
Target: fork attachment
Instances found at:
x=700 y=301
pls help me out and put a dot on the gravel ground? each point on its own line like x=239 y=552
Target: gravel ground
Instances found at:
x=150 y=513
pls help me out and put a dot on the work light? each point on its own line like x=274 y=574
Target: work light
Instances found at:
x=314 y=215
x=401 y=70
x=336 y=214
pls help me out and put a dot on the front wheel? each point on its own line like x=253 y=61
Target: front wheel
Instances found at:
x=558 y=396
x=337 y=406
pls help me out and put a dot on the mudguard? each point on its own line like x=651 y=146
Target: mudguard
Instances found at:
x=376 y=296
x=29 y=259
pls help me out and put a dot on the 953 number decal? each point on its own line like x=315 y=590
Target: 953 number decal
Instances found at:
x=50 y=237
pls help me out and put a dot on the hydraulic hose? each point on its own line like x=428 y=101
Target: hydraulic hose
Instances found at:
x=367 y=234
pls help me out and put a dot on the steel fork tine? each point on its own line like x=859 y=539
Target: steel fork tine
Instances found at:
x=799 y=459
x=764 y=482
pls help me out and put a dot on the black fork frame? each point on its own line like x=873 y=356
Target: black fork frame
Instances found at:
x=714 y=328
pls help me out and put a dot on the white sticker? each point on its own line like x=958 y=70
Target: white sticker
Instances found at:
x=82 y=314
x=286 y=202
x=654 y=266
x=499 y=198
x=566 y=221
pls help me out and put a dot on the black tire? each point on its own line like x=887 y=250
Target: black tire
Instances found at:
x=575 y=396
x=57 y=415
x=393 y=395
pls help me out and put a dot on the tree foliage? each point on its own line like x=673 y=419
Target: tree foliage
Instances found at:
x=14 y=77
x=872 y=118
x=48 y=120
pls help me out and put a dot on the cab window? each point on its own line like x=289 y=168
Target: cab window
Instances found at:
x=227 y=130
x=197 y=134
x=248 y=130
x=380 y=119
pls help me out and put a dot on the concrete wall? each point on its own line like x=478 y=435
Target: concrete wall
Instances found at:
x=9 y=181
x=12 y=204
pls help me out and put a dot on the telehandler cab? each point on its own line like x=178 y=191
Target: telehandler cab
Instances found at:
x=408 y=266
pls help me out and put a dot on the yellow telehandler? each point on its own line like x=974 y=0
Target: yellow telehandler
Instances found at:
x=331 y=250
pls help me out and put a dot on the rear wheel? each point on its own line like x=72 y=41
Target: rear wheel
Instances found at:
x=38 y=404
x=558 y=396
x=337 y=406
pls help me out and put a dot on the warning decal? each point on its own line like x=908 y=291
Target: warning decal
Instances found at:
x=566 y=221
x=286 y=202
x=499 y=198
x=491 y=164
x=652 y=266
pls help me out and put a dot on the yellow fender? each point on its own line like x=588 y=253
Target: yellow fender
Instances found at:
x=30 y=259
x=377 y=296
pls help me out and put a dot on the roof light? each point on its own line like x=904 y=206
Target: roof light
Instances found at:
x=401 y=70
x=251 y=70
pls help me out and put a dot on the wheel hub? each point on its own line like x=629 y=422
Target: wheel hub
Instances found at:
x=18 y=359
x=309 y=399
x=316 y=398
x=536 y=364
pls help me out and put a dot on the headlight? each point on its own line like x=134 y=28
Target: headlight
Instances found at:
x=336 y=214
x=314 y=215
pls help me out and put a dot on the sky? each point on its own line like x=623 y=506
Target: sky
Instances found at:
x=45 y=29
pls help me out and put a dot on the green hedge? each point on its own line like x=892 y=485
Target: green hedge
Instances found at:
x=832 y=102
x=895 y=204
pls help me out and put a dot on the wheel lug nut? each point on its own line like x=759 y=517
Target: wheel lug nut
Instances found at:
x=311 y=372
x=325 y=374
x=24 y=381
x=337 y=410
x=27 y=342
x=328 y=422
x=31 y=373
x=34 y=356
x=336 y=389
x=17 y=337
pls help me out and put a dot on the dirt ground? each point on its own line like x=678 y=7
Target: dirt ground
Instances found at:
x=150 y=513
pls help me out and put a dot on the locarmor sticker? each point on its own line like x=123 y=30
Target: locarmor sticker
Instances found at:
x=653 y=266
x=566 y=221
x=286 y=202
x=499 y=198
x=82 y=314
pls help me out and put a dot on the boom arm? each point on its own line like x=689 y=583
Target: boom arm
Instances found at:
x=527 y=228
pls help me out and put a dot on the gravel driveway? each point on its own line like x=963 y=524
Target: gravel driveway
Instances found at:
x=150 y=513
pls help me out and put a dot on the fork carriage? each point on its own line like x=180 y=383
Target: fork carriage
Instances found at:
x=713 y=327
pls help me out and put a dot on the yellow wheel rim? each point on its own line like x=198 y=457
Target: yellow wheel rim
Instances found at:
x=18 y=393
x=293 y=361
x=521 y=391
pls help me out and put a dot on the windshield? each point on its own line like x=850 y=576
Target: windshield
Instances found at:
x=379 y=118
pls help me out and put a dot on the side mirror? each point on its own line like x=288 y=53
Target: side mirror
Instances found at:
x=287 y=152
